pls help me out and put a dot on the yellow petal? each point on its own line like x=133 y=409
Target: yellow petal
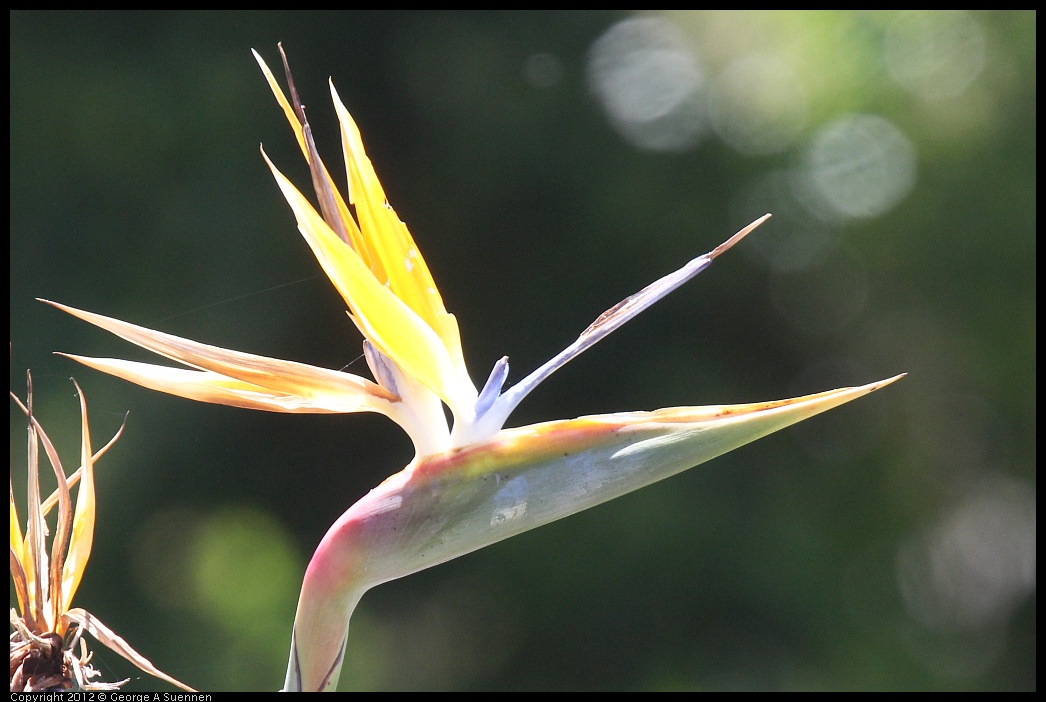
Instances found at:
x=345 y=218
x=276 y=376
x=383 y=318
x=83 y=519
x=389 y=241
x=18 y=574
x=382 y=243
x=288 y=111
x=16 y=532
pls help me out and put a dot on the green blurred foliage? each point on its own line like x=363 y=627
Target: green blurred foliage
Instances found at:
x=887 y=545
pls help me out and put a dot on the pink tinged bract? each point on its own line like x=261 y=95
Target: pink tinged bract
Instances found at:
x=444 y=506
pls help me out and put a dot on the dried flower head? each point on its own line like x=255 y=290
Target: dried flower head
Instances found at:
x=48 y=652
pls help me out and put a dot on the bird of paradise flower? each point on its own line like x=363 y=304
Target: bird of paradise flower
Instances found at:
x=47 y=628
x=472 y=482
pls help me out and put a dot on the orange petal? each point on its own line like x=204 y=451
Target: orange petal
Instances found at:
x=205 y=386
x=276 y=376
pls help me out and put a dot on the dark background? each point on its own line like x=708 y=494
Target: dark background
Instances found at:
x=549 y=164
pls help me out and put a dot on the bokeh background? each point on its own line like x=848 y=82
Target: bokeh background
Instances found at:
x=548 y=165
